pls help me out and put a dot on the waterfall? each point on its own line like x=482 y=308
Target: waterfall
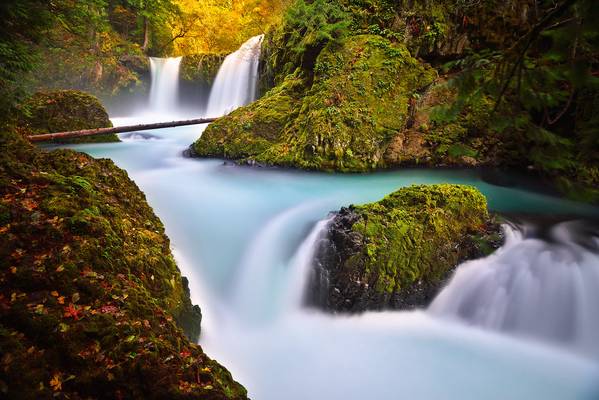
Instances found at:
x=275 y=266
x=164 y=92
x=235 y=83
x=531 y=287
x=302 y=264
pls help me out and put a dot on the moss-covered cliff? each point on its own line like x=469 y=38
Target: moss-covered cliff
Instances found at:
x=65 y=110
x=92 y=304
x=396 y=253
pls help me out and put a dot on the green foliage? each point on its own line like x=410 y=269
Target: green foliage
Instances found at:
x=23 y=26
x=306 y=28
x=543 y=88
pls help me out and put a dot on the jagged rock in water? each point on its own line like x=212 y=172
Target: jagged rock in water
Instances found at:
x=396 y=253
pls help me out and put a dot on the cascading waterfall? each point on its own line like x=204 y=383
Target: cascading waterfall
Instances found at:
x=235 y=83
x=164 y=92
x=531 y=287
x=265 y=285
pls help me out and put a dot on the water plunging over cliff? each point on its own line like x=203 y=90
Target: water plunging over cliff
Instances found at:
x=235 y=83
x=531 y=287
x=164 y=92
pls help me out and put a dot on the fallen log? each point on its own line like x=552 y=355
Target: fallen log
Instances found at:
x=117 y=129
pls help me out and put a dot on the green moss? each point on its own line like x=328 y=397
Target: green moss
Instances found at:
x=252 y=130
x=417 y=234
x=358 y=100
x=201 y=68
x=92 y=304
x=65 y=110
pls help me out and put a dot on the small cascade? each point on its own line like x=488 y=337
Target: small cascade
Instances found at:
x=164 y=92
x=275 y=266
x=531 y=287
x=235 y=83
x=302 y=264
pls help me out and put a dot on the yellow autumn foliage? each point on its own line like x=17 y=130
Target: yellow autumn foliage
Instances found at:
x=221 y=26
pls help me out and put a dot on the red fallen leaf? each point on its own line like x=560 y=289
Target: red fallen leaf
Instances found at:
x=72 y=311
x=29 y=204
x=109 y=309
x=185 y=353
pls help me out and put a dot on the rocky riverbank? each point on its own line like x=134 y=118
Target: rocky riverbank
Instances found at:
x=92 y=304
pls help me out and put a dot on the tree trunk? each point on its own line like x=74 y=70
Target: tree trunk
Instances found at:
x=117 y=129
x=144 y=47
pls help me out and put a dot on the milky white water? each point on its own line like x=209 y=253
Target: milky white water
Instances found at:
x=245 y=238
x=532 y=288
x=164 y=88
x=235 y=83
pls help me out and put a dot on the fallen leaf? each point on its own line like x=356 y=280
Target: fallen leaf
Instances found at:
x=72 y=311
x=56 y=382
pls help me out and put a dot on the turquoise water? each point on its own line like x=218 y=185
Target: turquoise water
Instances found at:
x=235 y=232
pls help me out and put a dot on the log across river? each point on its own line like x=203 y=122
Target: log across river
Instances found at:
x=117 y=129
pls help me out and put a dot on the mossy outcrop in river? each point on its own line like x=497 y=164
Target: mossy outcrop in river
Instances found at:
x=359 y=99
x=92 y=304
x=65 y=110
x=392 y=84
x=396 y=253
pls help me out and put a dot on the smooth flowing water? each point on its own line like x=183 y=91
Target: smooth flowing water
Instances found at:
x=240 y=234
x=164 y=89
x=533 y=288
x=245 y=238
x=235 y=83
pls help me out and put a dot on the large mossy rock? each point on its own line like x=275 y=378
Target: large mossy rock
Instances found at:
x=364 y=71
x=252 y=130
x=358 y=101
x=92 y=304
x=65 y=110
x=396 y=253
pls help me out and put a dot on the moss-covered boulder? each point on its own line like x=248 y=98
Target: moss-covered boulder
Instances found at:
x=252 y=130
x=65 y=110
x=358 y=100
x=92 y=304
x=396 y=253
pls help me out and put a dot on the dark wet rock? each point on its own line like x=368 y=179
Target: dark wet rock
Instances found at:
x=398 y=252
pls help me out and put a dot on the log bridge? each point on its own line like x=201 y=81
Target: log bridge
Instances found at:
x=117 y=129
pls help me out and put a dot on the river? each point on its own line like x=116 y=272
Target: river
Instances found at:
x=243 y=237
